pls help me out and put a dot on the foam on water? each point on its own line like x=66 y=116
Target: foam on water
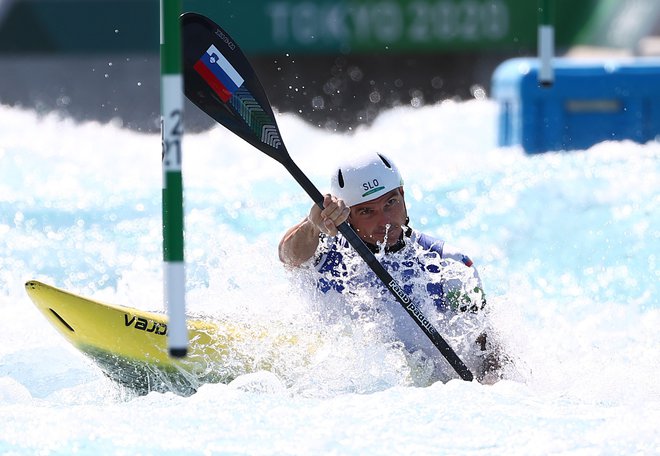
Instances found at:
x=566 y=245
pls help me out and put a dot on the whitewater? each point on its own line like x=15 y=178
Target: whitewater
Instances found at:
x=566 y=243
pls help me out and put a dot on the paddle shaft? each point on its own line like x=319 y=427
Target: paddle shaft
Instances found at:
x=380 y=271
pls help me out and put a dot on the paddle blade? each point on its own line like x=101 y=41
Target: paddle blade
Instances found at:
x=220 y=81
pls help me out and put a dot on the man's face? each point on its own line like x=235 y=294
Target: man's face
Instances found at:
x=380 y=220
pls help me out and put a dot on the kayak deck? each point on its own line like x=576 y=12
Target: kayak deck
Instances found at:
x=130 y=345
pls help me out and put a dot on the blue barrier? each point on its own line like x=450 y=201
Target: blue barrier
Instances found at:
x=590 y=101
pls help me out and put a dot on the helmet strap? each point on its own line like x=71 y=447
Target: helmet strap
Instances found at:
x=398 y=245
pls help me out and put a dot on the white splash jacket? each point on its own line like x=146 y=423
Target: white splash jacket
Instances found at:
x=447 y=275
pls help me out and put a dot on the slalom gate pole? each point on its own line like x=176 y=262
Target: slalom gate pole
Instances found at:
x=546 y=43
x=171 y=106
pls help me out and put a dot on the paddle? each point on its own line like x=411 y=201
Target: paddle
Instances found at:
x=219 y=79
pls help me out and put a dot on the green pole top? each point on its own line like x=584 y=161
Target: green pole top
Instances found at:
x=170 y=39
x=546 y=12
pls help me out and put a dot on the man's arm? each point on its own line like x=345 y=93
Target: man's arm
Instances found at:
x=493 y=362
x=299 y=243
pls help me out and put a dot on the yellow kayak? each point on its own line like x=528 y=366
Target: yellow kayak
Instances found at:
x=130 y=345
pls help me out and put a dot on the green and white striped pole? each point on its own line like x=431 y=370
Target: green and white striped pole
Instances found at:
x=171 y=106
x=546 y=43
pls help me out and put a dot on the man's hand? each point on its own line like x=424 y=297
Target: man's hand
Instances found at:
x=334 y=213
x=300 y=241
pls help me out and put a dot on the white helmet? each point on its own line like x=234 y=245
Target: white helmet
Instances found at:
x=365 y=178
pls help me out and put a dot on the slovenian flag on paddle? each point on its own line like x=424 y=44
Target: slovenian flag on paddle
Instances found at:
x=218 y=73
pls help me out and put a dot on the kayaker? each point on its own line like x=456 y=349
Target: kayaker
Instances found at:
x=368 y=192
